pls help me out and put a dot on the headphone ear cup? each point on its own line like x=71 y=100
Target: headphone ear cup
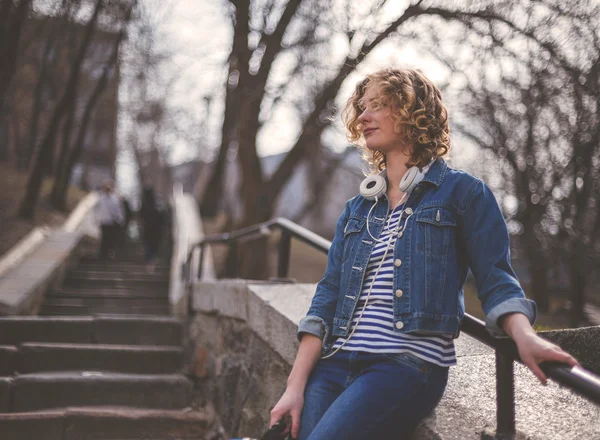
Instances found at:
x=373 y=187
x=410 y=179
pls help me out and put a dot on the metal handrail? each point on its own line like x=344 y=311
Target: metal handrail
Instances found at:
x=577 y=379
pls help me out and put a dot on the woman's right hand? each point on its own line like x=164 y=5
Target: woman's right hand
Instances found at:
x=290 y=404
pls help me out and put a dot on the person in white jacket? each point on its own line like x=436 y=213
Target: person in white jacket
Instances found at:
x=110 y=217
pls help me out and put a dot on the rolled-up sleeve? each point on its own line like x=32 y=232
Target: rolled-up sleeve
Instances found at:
x=319 y=318
x=487 y=245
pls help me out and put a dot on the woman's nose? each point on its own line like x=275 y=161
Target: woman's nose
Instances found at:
x=364 y=116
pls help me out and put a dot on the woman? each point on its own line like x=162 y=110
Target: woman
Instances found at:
x=377 y=341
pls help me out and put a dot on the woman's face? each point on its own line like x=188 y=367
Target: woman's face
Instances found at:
x=377 y=125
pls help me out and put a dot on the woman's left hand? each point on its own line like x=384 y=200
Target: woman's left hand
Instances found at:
x=534 y=350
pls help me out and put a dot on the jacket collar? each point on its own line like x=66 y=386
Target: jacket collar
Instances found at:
x=436 y=172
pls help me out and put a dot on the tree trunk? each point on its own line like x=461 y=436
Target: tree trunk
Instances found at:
x=28 y=152
x=213 y=192
x=63 y=153
x=46 y=150
x=9 y=43
x=58 y=196
x=577 y=279
x=539 y=281
x=252 y=255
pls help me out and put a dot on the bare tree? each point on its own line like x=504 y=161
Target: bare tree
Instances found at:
x=533 y=106
x=46 y=148
x=70 y=155
x=12 y=16
x=262 y=33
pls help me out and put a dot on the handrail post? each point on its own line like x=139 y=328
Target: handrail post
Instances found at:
x=505 y=395
x=283 y=264
x=201 y=261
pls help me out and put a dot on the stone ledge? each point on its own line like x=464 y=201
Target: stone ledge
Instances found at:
x=583 y=343
x=272 y=312
x=22 y=289
x=23 y=248
x=469 y=405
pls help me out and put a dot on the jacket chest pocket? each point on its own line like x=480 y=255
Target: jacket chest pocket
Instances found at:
x=435 y=231
x=352 y=234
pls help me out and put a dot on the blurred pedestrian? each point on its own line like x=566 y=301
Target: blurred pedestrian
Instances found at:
x=110 y=217
x=127 y=214
x=152 y=220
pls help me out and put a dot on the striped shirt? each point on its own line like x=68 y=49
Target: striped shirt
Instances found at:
x=375 y=331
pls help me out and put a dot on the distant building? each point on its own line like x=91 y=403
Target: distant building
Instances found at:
x=42 y=71
x=294 y=198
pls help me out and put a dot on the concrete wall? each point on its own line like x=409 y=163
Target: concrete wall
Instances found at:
x=41 y=260
x=242 y=346
x=187 y=231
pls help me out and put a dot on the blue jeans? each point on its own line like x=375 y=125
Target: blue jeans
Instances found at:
x=359 y=395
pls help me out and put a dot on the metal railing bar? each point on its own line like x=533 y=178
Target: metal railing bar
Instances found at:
x=578 y=379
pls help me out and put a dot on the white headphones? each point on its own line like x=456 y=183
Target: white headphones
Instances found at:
x=373 y=187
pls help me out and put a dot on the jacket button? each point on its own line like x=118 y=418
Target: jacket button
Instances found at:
x=399 y=325
x=408 y=211
x=399 y=293
x=398 y=262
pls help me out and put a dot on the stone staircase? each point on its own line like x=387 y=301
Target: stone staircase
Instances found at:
x=104 y=361
x=123 y=288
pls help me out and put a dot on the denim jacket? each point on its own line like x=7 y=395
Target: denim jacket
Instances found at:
x=456 y=224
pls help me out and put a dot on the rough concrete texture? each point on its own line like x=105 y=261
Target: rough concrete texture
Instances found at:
x=35 y=357
x=47 y=425
x=248 y=360
x=138 y=331
x=8 y=360
x=133 y=424
x=22 y=288
x=228 y=298
x=31 y=392
x=243 y=376
x=16 y=330
x=5 y=393
x=547 y=413
x=104 y=423
x=582 y=343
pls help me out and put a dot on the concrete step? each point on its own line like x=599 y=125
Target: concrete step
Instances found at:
x=32 y=392
x=103 y=301
x=66 y=292
x=8 y=360
x=119 y=283
x=82 y=310
x=103 y=329
x=107 y=423
x=5 y=394
x=39 y=357
x=151 y=330
x=114 y=266
x=15 y=330
x=117 y=275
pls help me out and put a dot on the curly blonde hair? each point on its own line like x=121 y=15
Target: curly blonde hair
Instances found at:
x=417 y=111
